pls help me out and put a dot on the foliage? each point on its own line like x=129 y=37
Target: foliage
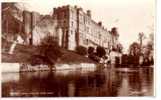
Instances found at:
x=151 y=42
x=81 y=50
x=114 y=49
x=150 y=45
x=94 y=57
x=100 y=51
x=114 y=31
x=37 y=60
x=134 y=49
x=49 y=50
x=141 y=37
x=151 y=36
x=90 y=50
x=119 y=48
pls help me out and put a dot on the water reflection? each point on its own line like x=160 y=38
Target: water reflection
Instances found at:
x=106 y=82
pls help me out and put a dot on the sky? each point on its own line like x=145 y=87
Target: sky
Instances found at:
x=129 y=16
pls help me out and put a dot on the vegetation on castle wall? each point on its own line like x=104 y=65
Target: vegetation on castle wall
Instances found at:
x=100 y=51
x=81 y=50
x=49 y=51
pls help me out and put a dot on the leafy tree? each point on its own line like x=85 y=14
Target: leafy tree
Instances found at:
x=134 y=49
x=141 y=38
x=119 y=48
x=49 y=50
x=81 y=50
x=100 y=51
x=151 y=42
x=92 y=55
x=114 y=49
x=149 y=48
x=114 y=31
x=90 y=50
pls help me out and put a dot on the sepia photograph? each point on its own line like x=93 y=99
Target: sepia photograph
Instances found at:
x=78 y=48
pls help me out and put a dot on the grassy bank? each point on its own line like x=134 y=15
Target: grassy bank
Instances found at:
x=24 y=53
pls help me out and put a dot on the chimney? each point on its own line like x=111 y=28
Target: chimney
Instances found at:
x=100 y=23
x=89 y=13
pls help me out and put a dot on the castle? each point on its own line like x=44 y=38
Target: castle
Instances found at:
x=79 y=28
x=71 y=27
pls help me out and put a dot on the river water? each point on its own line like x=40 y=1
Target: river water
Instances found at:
x=105 y=82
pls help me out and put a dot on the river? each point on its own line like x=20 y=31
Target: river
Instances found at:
x=107 y=82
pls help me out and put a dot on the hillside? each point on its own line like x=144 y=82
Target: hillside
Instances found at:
x=23 y=54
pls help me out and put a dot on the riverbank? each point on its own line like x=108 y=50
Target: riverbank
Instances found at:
x=21 y=60
x=22 y=67
x=24 y=54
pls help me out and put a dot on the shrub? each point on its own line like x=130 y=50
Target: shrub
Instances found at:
x=37 y=60
x=90 y=50
x=49 y=50
x=100 y=51
x=81 y=50
x=94 y=57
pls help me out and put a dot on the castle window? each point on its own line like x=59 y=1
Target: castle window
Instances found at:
x=87 y=41
x=88 y=29
x=65 y=15
x=64 y=22
x=72 y=23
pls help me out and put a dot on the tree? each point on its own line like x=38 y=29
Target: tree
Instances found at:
x=134 y=53
x=81 y=50
x=90 y=50
x=100 y=51
x=149 y=48
x=91 y=54
x=151 y=36
x=141 y=38
x=119 y=48
x=114 y=31
x=115 y=35
x=151 y=42
x=49 y=50
x=134 y=49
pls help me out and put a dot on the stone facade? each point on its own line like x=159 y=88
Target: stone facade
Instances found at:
x=66 y=17
x=11 y=21
x=37 y=26
x=70 y=25
x=27 y=26
x=80 y=29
